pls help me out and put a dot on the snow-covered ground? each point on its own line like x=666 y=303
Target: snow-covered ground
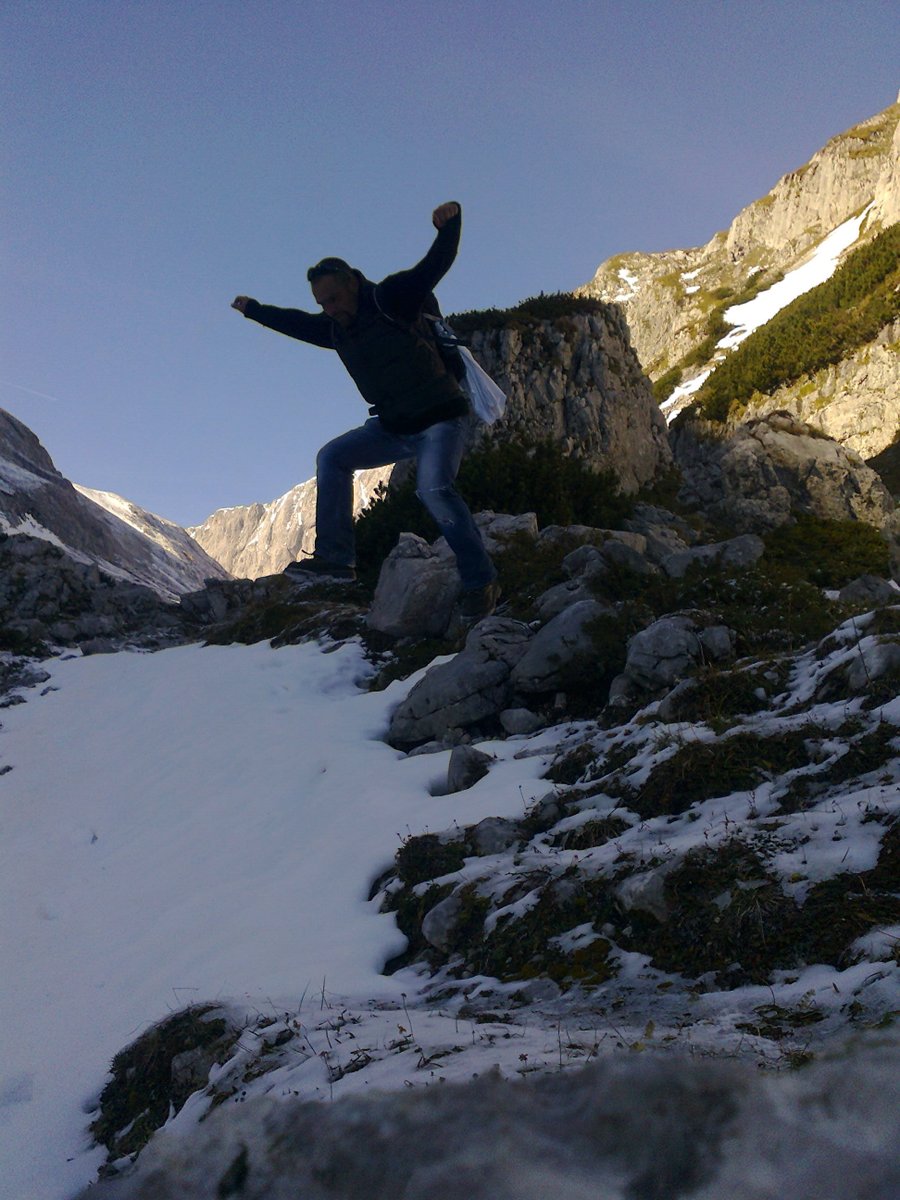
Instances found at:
x=197 y=824
x=205 y=824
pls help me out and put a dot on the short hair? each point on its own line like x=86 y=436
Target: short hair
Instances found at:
x=329 y=266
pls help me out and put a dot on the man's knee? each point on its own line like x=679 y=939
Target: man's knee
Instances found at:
x=330 y=457
x=441 y=502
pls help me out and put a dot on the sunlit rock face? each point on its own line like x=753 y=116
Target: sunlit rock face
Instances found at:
x=96 y=528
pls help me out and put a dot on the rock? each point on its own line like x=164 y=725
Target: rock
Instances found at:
x=756 y=475
x=578 y=383
x=562 y=595
x=563 y=649
x=439 y=922
x=738 y=553
x=474 y=685
x=671 y=705
x=877 y=661
x=520 y=720
x=493 y=835
x=663 y=653
x=467 y=765
x=416 y=591
x=871 y=590
x=647 y=892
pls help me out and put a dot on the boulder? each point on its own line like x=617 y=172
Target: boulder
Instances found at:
x=417 y=589
x=467 y=765
x=755 y=475
x=561 y=651
x=738 y=553
x=474 y=685
x=871 y=590
x=663 y=653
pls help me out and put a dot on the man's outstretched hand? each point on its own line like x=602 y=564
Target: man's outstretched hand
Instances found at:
x=240 y=303
x=444 y=213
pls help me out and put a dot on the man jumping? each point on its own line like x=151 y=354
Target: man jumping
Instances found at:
x=418 y=407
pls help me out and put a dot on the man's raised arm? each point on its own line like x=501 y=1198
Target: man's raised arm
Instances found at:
x=314 y=328
x=403 y=293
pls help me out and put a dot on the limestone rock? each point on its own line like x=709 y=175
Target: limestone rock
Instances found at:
x=738 y=553
x=663 y=653
x=520 y=720
x=563 y=648
x=467 y=765
x=416 y=592
x=578 y=383
x=472 y=686
x=493 y=835
x=871 y=590
x=439 y=922
x=756 y=475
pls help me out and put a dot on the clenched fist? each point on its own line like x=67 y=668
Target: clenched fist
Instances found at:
x=444 y=213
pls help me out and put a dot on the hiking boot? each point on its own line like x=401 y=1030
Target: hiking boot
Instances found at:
x=477 y=603
x=313 y=570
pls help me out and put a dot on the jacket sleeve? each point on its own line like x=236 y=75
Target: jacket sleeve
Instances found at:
x=314 y=328
x=404 y=293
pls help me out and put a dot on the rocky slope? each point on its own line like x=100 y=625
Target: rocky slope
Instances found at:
x=669 y=298
x=712 y=868
x=93 y=528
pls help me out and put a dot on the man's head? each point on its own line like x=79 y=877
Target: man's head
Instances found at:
x=335 y=287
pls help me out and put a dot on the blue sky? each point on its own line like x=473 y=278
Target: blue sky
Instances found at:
x=159 y=157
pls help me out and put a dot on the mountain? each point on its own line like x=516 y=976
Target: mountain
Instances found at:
x=689 y=309
x=123 y=540
x=251 y=540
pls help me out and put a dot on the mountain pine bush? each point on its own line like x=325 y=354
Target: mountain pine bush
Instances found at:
x=508 y=478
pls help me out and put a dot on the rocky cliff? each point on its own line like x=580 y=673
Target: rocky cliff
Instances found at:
x=251 y=540
x=672 y=299
x=575 y=380
x=667 y=296
x=93 y=527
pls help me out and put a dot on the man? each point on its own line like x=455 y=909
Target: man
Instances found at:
x=418 y=408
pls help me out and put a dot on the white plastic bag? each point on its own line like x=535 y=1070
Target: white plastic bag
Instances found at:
x=488 y=401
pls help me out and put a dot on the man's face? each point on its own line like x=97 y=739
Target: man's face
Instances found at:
x=338 y=296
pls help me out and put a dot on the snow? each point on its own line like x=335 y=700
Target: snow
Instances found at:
x=197 y=824
x=14 y=478
x=819 y=267
x=629 y=290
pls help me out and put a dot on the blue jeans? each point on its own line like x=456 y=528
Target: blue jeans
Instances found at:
x=438 y=452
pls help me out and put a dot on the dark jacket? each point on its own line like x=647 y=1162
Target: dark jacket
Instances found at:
x=389 y=350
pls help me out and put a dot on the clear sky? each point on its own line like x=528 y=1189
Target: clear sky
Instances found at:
x=161 y=156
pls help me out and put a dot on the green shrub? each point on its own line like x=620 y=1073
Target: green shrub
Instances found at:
x=828 y=553
x=666 y=384
x=545 y=307
x=509 y=478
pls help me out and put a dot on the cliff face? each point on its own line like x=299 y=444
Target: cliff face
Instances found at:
x=577 y=382
x=667 y=297
x=93 y=527
x=856 y=402
x=251 y=540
